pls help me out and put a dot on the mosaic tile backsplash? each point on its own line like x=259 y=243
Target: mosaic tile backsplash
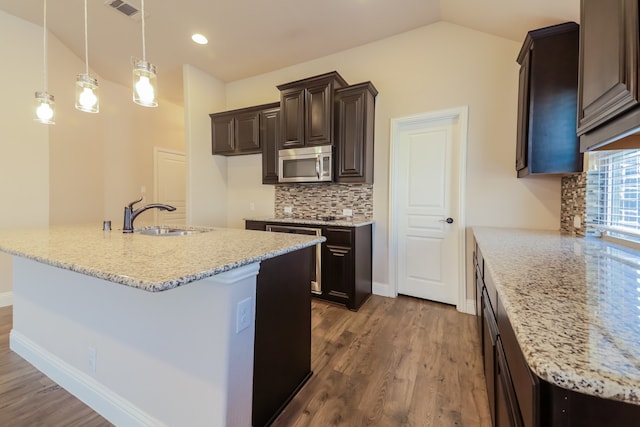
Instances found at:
x=574 y=194
x=315 y=200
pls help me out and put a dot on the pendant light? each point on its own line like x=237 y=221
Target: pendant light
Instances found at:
x=145 y=89
x=86 y=85
x=44 y=101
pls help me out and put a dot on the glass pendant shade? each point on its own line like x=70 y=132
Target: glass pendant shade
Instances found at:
x=144 y=84
x=44 y=107
x=87 y=98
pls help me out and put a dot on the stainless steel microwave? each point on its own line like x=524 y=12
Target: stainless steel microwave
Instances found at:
x=309 y=164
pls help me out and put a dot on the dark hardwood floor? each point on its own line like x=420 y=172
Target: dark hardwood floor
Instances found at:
x=396 y=362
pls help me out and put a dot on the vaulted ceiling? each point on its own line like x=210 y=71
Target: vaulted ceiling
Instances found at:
x=251 y=37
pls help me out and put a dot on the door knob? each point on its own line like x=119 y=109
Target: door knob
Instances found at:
x=448 y=220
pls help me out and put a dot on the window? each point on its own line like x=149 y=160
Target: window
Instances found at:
x=613 y=193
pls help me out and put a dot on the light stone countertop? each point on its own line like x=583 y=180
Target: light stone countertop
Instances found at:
x=574 y=304
x=339 y=221
x=150 y=263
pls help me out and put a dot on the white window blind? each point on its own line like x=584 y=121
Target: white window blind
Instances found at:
x=613 y=192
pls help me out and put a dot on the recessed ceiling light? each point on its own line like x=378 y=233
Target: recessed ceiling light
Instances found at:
x=199 y=38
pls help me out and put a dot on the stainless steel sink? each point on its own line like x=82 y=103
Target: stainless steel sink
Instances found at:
x=168 y=231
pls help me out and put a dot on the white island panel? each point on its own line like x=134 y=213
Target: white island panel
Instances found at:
x=162 y=358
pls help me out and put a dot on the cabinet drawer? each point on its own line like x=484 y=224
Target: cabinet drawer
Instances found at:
x=339 y=236
x=526 y=385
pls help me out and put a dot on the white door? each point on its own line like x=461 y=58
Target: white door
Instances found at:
x=428 y=156
x=170 y=185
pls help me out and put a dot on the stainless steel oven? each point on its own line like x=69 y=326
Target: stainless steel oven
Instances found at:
x=309 y=164
x=316 y=282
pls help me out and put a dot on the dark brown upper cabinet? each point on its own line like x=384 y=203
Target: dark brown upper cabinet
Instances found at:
x=270 y=138
x=355 y=115
x=238 y=131
x=307 y=111
x=608 y=91
x=547 y=142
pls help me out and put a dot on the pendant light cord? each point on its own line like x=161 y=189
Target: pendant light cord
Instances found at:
x=86 y=41
x=44 y=43
x=144 y=56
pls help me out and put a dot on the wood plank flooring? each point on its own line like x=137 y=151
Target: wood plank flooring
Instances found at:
x=396 y=362
x=28 y=398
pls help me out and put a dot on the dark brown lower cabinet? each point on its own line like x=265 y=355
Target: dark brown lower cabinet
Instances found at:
x=518 y=397
x=282 y=352
x=346 y=265
x=346 y=261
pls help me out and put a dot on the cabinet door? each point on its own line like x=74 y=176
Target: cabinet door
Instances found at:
x=222 y=132
x=608 y=61
x=318 y=124
x=270 y=136
x=478 y=294
x=337 y=266
x=490 y=333
x=292 y=118
x=350 y=146
x=506 y=404
x=247 y=132
x=522 y=142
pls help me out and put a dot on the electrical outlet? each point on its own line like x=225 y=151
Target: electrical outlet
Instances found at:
x=252 y=206
x=244 y=314
x=347 y=212
x=577 y=221
x=92 y=354
x=288 y=209
x=143 y=189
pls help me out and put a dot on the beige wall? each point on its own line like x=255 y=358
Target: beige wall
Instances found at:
x=84 y=168
x=100 y=162
x=206 y=174
x=432 y=68
x=129 y=134
x=24 y=163
x=75 y=165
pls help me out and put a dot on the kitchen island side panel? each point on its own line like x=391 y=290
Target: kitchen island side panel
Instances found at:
x=165 y=358
x=282 y=363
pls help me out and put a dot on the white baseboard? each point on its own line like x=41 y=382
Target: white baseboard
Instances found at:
x=383 y=289
x=101 y=399
x=6 y=299
x=470 y=307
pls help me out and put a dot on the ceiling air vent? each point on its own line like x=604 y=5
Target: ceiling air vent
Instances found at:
x=125 y=8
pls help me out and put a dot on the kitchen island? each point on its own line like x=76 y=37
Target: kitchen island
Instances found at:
x=147 y=330
x=572 y=306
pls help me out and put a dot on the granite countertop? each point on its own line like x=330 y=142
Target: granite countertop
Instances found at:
x=150 y=263
x=574 y=304
x=344 y=221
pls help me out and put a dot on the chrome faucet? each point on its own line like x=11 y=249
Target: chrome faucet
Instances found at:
x=130 y=214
